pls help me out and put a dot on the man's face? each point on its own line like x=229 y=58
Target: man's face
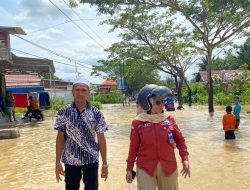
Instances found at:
x=80 y=92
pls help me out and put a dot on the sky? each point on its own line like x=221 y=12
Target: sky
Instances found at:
x=50 y=27
x=47 y=26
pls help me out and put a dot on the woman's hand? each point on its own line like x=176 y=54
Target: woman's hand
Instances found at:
x=186 y=169
x=129 y=177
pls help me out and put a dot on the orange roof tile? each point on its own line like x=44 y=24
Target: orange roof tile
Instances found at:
x=109 y=83
x=22 y=80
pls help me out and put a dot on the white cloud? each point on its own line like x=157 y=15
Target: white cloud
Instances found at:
x=66 y=39
x=54 y=31
x=41 y=10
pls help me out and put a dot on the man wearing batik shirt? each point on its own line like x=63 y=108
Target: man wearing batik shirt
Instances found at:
x=78 y=125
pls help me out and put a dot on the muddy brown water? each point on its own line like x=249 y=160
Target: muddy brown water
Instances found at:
x=28 y=162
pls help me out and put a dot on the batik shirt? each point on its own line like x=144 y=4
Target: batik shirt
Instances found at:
x=80 y=129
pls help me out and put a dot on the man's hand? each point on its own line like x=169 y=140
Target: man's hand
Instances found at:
x=105 y=172
x=129 y=178
x=59 y=171
x=186 y=169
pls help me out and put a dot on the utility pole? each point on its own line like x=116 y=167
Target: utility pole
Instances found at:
x=124 y=82
x=76 y=72
x=120 y=67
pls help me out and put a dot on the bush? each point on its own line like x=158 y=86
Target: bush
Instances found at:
x=224 y=91
x=57 y=103
x=96 y=104
x=20 y=110
x=222 y=99
x=111 y=98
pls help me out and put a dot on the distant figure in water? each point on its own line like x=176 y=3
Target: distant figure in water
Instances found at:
x=180 y=108
x=229 y=123
x=153 y=138
x=237 y=109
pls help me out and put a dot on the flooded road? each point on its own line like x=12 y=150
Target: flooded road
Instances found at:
x=28 y=162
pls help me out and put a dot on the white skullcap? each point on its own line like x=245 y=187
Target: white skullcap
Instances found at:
x=81 y=80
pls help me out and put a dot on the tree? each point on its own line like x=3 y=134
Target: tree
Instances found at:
x=152 y=38
x=137 y=73
x=214 y=22
x=228 y=62
x=244 y=54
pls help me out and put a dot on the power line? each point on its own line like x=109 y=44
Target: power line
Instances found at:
x=85 y=67
x=45 y=28
x=46 y=49
x=85 y=23
x=76 y=24
x=53 y=52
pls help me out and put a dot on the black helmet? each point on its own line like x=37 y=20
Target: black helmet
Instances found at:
x=161 y=91
x=149 y=91
x=143 y=94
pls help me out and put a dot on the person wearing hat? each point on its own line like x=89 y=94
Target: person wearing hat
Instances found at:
x=153 y=139
x=78 y=124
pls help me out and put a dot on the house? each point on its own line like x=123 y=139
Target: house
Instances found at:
x=225 y=75
x=56 y=84
x=59 y=89
x=21 y=85
x=108 y=86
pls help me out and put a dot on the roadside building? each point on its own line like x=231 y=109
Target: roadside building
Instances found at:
x=108 y=86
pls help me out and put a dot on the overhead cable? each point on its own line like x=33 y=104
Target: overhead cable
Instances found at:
x=85 y=23
x=76 y=24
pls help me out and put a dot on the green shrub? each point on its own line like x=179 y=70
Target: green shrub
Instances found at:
x=20 y=110
x=111 y=98
x=224 y=91
x=57 y=103
x=96 y=104
x=222 y=99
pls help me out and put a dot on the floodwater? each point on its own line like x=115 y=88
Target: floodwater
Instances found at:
x=28 y=162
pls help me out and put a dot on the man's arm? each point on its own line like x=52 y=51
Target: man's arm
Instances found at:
x=60 y=140
x=103 y=150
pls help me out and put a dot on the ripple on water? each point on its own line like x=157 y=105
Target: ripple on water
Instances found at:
x=28 y=162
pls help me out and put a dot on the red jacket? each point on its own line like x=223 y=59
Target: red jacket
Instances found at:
x=149 y=144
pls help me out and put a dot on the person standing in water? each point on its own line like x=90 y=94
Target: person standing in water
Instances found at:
x=153 y=139
x=237 y=109
x=10 y=104
x=229 y=123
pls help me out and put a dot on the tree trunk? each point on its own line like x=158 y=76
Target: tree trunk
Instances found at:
x=179 y=94
x=189 y=93
x=176 y=83
x=210 y=81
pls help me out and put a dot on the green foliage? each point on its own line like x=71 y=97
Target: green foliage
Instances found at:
x=231 y=61
x=96 y=104
x=111 y=98
x=57 y=103
x=20 y=110
x=137 y=73
x=244 y=54
x=224 y=91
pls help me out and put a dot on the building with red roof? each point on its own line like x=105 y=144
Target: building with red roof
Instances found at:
x=108 y=86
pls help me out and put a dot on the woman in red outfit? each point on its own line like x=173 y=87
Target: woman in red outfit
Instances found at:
x=153 y=138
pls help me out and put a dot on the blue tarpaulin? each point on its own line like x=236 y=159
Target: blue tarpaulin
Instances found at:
x=26 y=89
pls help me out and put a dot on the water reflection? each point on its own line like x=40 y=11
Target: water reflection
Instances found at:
x=28 y=162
